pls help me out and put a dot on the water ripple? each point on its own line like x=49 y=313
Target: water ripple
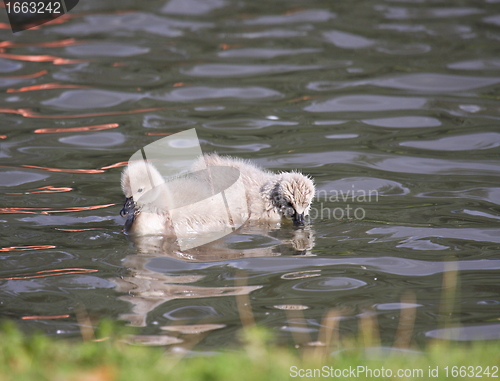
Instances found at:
x=312 y=15
x=205 y=92
x=366 y=103
x=191 y=313
x=7 y=66
x=417 y=13
x=415 y=233
x=102 y=76
x=233 y=70
x=467 y=333
x=264 y=53
x=429 y=82
x=389 y=163
x=404 y=122
x=95 y=141
x=192 y=7
x=422 y=82
x=347 y=40
x=395 y=306
x=350 y=187
x=388 y=265
x=135 y=21
x=404 y=49
x=468 y=142
x=480 y=193
x=88 y=99
x=481 y=64
x=329 y=284
x=247 y=124
x=270 y=33
x=106 y=49
x=11 y=178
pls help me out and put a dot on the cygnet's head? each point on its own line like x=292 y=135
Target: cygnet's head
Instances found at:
x=142 y=186
x=293 y=195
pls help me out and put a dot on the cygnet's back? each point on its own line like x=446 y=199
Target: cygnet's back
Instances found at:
x=183 y=205
x=252 y=176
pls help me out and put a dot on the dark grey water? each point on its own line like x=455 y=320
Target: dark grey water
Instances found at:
x=392 y=106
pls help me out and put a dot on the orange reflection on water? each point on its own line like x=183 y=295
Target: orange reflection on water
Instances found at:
x=4 y=25
x=30 y=114
x=45 y=86
x=51 y=189
x=28 y=76
x=80 y=208
x=22 y=210
x=3 y=136
x=47 y=273
x=50 y=44
x=48 y=211
x=25 y=248
x=44 y=317
x=40 y=58
x=98 y=127
x=47 y=189
x=64 y=170
x=116 y=165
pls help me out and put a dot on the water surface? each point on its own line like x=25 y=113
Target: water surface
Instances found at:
x=391 y=106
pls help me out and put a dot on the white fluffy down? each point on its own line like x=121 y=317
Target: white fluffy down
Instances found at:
x=269 y=197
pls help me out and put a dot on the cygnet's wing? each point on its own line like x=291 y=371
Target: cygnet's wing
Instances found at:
x=186 y=190
x=200 y=185
x=207 y=205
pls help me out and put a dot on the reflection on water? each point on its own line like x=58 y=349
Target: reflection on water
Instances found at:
x=398 y=98
x=247 y=242
x=147 y=288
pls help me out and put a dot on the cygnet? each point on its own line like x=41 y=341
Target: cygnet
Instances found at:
x=269 y=196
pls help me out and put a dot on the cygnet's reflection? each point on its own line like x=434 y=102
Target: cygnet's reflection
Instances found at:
x=146 y=289
x=256 y=241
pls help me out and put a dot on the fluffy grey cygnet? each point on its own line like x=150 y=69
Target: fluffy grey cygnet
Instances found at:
x=269 y=196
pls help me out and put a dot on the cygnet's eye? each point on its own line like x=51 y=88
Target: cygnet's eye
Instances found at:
x=289 y=212
x=139 y=190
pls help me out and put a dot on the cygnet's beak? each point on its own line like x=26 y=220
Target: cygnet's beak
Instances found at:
x=128 y=207
x=298 y=219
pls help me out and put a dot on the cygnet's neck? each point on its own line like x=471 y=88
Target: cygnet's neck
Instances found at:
x=270 y=192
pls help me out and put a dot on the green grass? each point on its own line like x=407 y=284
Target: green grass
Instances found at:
x=37 y=357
